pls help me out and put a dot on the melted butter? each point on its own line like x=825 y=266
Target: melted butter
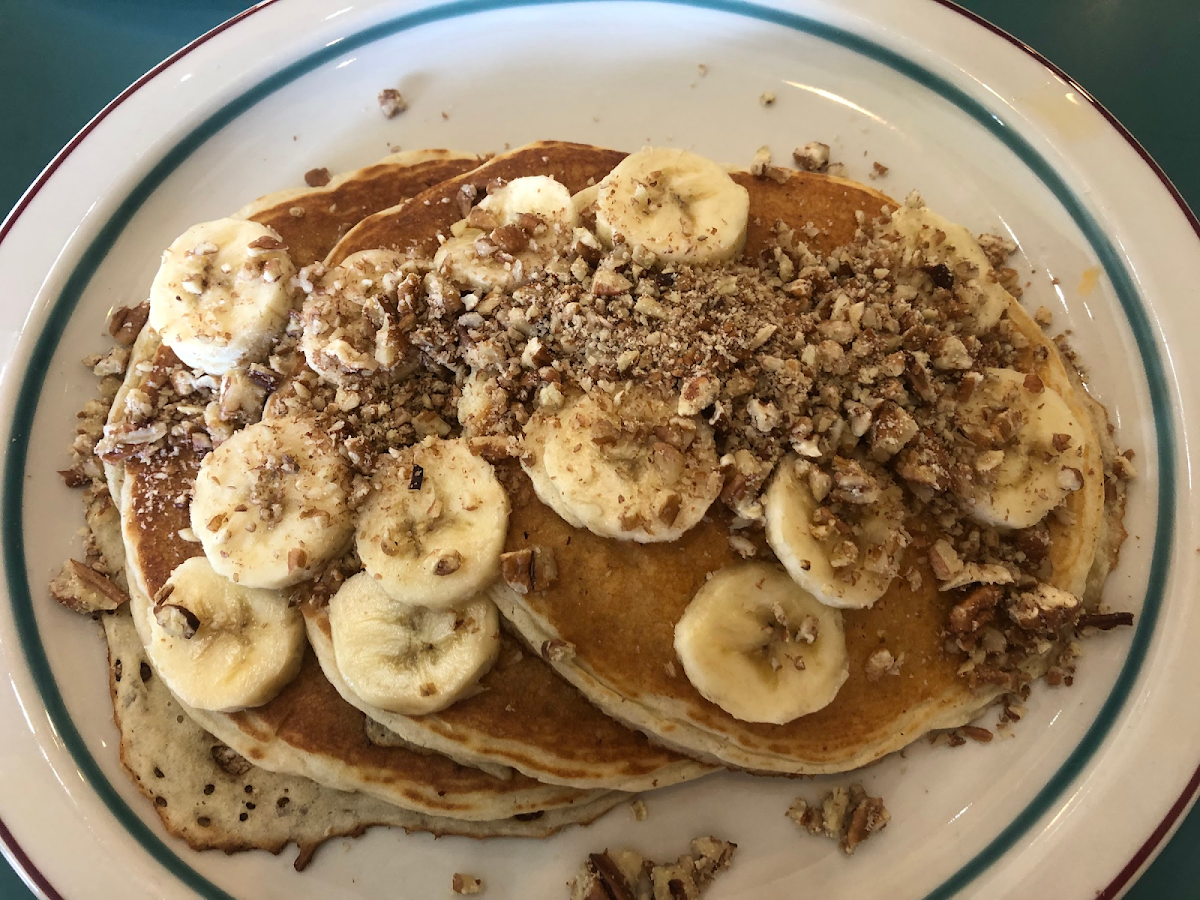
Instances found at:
x=1088 y=280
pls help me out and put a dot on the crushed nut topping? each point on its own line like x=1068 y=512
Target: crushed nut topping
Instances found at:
x=529 y=570
x=556 y=650
x=812 y=157
x=177 y=621
x=627 y=875
x=83 y=589
x=317 y=177
x=881 y=663
x=466 y=884
x=391 y=103
x=847 y=816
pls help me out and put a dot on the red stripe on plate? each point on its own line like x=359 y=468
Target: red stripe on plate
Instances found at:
x=25 y=865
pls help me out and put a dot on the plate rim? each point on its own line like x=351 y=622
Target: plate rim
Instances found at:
x=1164 y=424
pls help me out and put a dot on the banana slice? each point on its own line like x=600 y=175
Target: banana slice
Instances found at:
x=221 y=296
x=410 y=659
x=513 y=231
x=432 y=531
x=947 y=243
x=761 y=647
x=270 y=503
x=1031 y=448
x=680 y=206
x=848 y=569
x=355 y=322
x=625 y=466
x=222 y=646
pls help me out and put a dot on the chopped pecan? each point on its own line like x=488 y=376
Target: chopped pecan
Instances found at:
x=444 y=562
x=267 y=242
x=1105 y=621
x=75 y=477
x=177 y=621
x=82 y=589
x=530 y=569
x=852 y=483
x=944 y=560
x=296 y=559
x=126 y=322
x=613 y=882
x=974 y=611
x=556 y=650
x=881 y=663
x=667 y=507
x=976 y=733
x=1045 y=609
x=869 y=816
x=510 y=238
x=317 y=177
x=848 y=816
x=812 y=157
x=466 y=884
x=391 y=103
x=924 y=463
x=481 y=218
x=698 y=393
x=607 y=283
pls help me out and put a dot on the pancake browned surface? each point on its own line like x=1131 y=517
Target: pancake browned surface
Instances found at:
x=526 y=716
x=312 y=221
x=616 y=603
x=414 y=229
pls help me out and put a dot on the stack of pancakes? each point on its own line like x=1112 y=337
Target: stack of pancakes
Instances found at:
x=550 y=739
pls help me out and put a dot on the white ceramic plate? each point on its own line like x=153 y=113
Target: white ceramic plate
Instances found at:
x=1095 y=775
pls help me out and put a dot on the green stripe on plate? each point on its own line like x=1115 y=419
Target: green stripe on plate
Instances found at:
x=47 y=343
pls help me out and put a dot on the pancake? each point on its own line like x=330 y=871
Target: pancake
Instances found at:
x=216 y=800
x=616 y=602
x=525 y=717
x=307 y=730
x=414 y=228
x=328 y=212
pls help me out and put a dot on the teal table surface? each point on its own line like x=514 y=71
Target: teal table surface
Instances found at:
x=62 y=60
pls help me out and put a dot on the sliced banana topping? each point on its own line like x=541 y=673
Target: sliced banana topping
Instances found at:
x=967 y=269
x=678 y=205
x=1031 y=448
x=222 y=646
x=410 y=659
x=624 y=466
x=270 y=504
x=511 y=233
x=356 y=321
x=221 y=295
x=432 y=531
x=761 y=647
x=843 y=563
